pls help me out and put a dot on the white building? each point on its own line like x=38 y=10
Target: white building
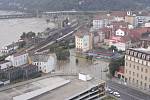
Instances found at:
x=120 y=32
x=18 y=59
x=100 y=23
x=147 y=24
x=7 y=49
x=5 y=64
x=45 y=63
x=97 y=24
x=122 y=43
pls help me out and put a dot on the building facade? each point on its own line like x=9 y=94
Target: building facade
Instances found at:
x=84 y=41
x=18 y=59
x=45 y=63
x=137 y=68
x=5 y=64
x=9 y=48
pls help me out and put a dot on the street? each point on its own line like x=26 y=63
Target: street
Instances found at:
x=127 y=93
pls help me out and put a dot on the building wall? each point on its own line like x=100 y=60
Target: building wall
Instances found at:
x=5 y=65
x=147 y=24
x=97 y=24
x=18 y=60
x=119 y=19
x=137 y=71
x=119 y=45
x=46 y=67
x=119 y=32
x=131 y=20
x=84 y=43
x=7 y=49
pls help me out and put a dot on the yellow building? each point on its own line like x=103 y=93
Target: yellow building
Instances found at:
x=83 y=40
x=131 y=20
x=137 y=68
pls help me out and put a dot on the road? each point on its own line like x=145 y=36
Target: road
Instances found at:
x=127 y=93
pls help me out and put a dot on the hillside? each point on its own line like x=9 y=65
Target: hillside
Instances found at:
x=49 y=5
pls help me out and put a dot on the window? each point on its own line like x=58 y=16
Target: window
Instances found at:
x=145 y=85
x=126 y=71
x=135 y=54
x=146 y=70
x=141 y=69
x=129 y=79
x=141 y=77
x=148 y=57
x=137 y=67
x=139 y=55
x=143 y=56
x=145 y=78
x=130 y=65
x=131 y=53
x=130 y=72
x=141 y=83
x=137 y=81
x=137 y=75
x=134 y=66
x=146 y=63
x=133 y=73
x=133 y=80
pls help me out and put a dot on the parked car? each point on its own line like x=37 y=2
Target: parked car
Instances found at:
x=116 y=94
x=111 y=92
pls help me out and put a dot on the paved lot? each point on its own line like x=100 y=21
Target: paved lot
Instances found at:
x=16 y=91
x=76 y=86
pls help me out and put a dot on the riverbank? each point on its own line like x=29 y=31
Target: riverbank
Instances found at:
x=11 y=29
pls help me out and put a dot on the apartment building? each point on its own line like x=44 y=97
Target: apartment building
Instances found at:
x=18 y=59
x=45 y=63
x=83 y=40
x=137 y=68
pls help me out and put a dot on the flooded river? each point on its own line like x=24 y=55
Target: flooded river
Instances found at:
x=11 y=29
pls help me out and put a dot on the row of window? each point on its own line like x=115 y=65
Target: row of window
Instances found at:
x=137 y=60
x=138 y=54
x=78 y=43
x=38 y=63
x=138 y=75
x=145 y=70
x=132 y=80
x=20 y=62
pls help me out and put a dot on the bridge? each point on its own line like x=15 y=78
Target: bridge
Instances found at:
x=50 y=14
x=58 y=13
x=17 y=16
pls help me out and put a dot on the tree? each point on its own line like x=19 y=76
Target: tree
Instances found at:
x=28 y=35
x=62 y=54
x=22 y=44
x=113 y=48
x=23 y=36
x=2 y=58
x=115 y=65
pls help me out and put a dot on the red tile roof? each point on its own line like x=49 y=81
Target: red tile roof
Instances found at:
x=120 y=24
x=118 y=13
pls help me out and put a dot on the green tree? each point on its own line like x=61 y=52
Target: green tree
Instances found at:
x=23 y=36
x=113 y=48
x=115 y=65
x=62 y=54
